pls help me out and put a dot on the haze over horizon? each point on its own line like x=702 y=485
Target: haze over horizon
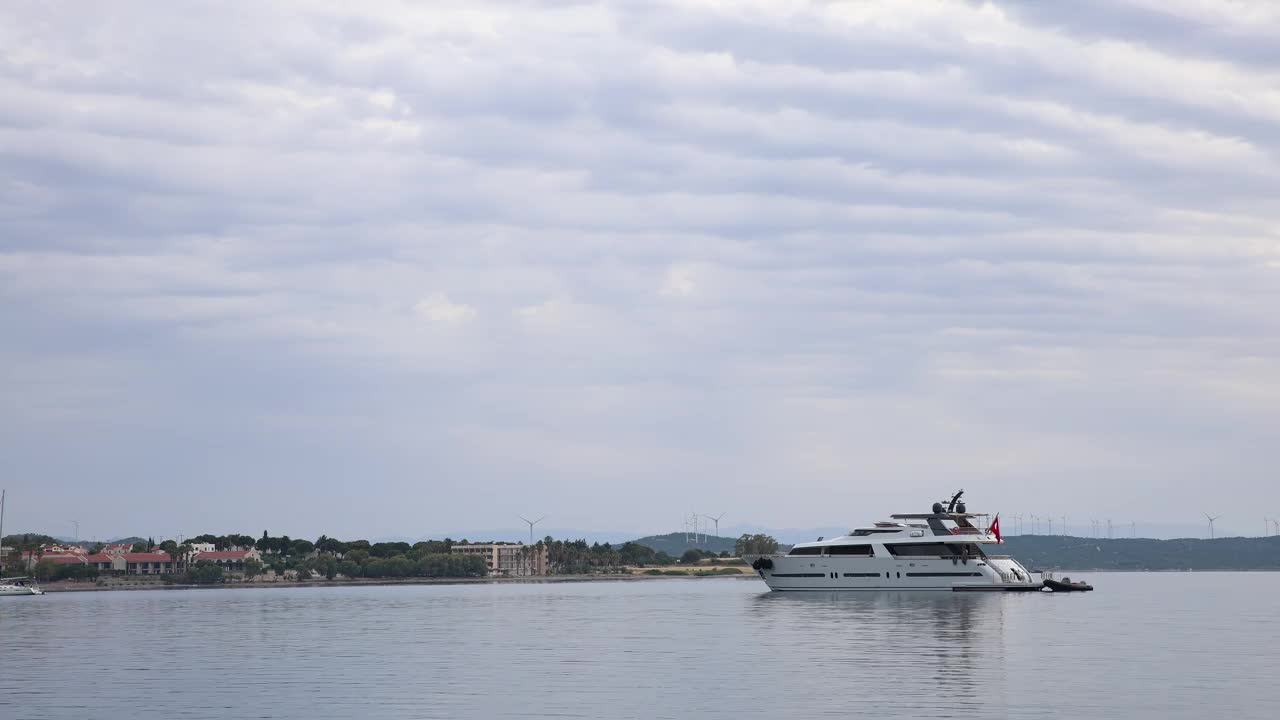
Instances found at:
x=378 y=271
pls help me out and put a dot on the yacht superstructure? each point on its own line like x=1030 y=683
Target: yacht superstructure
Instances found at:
x=940 y=550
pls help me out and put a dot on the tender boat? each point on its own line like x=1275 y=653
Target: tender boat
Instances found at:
x=1065 y=585
x=940 y=550
x=19 y=586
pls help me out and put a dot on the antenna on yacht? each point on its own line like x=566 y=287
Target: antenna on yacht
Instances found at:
x=1211 y=519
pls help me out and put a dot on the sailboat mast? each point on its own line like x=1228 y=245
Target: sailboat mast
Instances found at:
x=2 y=492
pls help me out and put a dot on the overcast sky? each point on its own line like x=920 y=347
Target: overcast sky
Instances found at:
x=405 y=269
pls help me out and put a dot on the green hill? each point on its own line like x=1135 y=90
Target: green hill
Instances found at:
x=1077 y=553
x=674 y=544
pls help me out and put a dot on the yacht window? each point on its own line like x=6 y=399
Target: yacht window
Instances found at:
x=862 y=532
x=961 y=549
x=859 y=550
x=806 y=551
x=917 y=549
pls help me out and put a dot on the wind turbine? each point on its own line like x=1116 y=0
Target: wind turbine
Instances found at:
x=1035 y=524
x=77 y=524
x=531 y=524
x=1017 y=524
x=1211 y=519
x=715 y=520
x=1064 y=526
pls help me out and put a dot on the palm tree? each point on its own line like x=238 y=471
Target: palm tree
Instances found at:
x=179 y=554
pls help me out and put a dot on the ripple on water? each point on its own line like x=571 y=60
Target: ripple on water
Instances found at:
x=1142 y=646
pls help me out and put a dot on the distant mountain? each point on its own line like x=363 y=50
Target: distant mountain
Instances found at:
x=511 y=535
x=675 y=544
x=1081 y=553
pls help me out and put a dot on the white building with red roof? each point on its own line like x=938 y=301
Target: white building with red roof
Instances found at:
x=32 y=558
x=131 y=563
x=229 y=559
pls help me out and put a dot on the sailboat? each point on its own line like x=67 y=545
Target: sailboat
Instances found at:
x=15 y=585
x=19 y=586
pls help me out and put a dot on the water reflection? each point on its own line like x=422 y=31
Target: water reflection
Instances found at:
x=922 y=642
x=717 y=649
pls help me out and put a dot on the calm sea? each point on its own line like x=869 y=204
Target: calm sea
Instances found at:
x=1141 y=646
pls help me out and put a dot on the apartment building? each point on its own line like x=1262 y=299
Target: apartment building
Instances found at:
x=509 y=559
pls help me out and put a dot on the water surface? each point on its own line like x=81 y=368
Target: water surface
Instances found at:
x=1159 y=645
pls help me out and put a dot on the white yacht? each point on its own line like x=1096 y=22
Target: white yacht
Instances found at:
x=941 y=550
x=19 y=586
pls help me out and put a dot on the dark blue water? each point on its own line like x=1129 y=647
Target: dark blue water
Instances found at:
x=1142 y=646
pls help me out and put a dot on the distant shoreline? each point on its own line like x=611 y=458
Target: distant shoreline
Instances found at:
x=72 y=586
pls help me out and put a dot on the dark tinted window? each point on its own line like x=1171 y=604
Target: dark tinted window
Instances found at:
x=860 y=550
x=918 y=550
x=806 y=551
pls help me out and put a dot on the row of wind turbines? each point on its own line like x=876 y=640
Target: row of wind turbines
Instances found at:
x=1045 y=523
x=695 y=527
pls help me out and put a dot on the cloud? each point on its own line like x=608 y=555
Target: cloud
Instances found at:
x=438 y=309
x=571 y=252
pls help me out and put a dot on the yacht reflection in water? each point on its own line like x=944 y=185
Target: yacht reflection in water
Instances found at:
x=906 y=646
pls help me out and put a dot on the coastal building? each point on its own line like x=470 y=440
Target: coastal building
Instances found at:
x=102 y=561
x=34 y=558
x=229 y=559
x=202 y=547
x=509 y=559
x=148 y=563
x=119 y=560
x=61 y=549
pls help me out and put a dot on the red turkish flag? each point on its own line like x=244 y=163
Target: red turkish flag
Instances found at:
x=995 y=528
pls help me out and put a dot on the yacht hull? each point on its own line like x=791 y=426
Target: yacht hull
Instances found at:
x=826 y=574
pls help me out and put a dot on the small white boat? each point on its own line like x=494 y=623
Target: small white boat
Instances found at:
x=19 y=586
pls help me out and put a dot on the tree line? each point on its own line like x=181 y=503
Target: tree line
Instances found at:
x=329 y=557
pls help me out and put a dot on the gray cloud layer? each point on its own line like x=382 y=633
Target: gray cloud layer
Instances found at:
x=419 y=267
